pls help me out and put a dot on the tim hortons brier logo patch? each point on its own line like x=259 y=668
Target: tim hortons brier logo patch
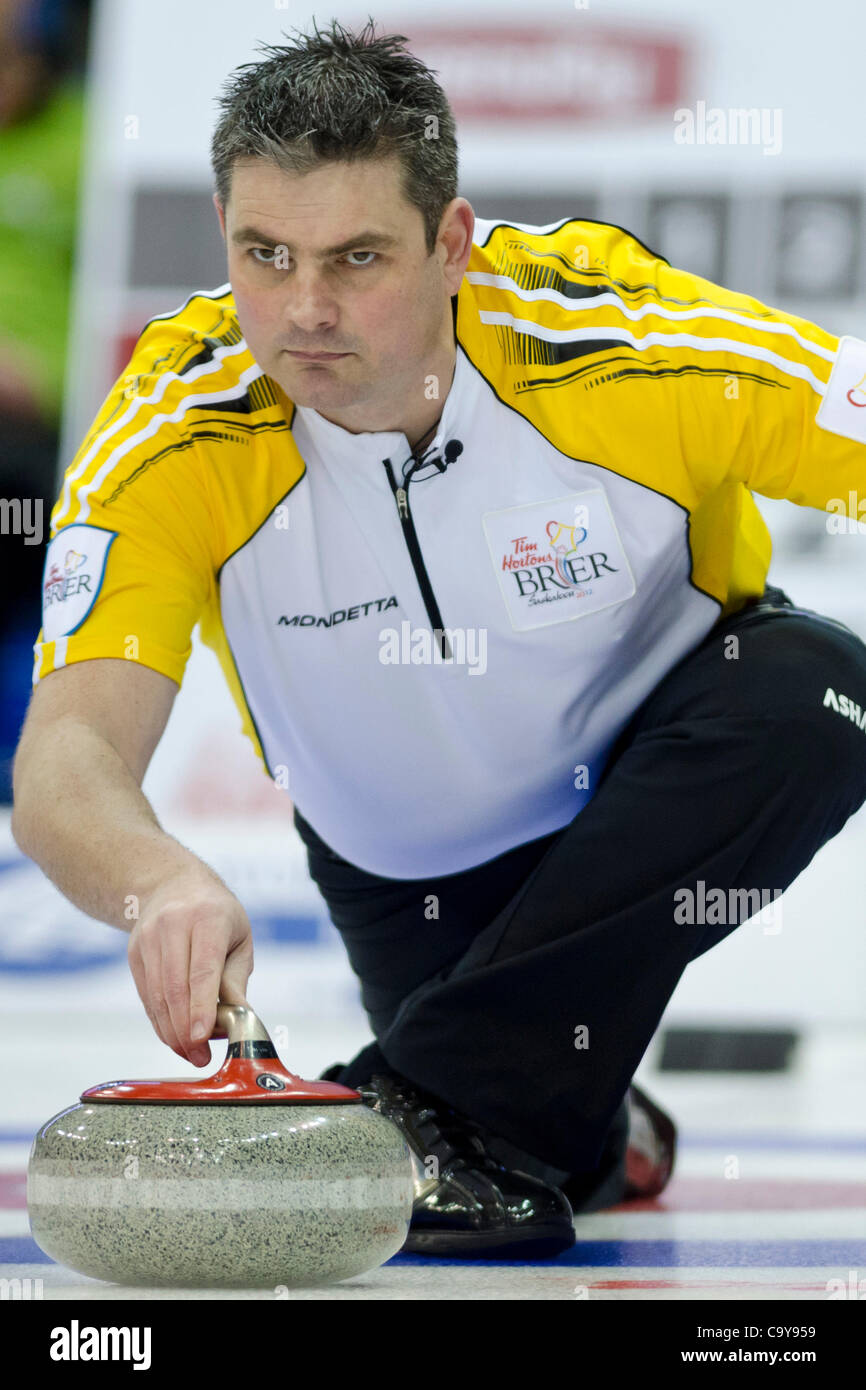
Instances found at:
x=843 y=408
x=559 y=559
x=74 y=567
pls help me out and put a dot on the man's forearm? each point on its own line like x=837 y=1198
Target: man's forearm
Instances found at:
x=81 y=816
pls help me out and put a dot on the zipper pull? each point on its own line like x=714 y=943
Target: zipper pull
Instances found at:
x=402 y=503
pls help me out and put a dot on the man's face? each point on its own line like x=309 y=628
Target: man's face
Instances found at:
x=335 y=261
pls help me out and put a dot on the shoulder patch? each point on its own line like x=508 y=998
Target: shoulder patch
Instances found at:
x=843 y=409
x=72 y=578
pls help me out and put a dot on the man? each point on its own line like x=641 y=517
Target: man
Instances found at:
x=464 y=508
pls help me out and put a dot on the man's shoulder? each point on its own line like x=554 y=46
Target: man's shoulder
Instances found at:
x=535 y=295
x=189 y=386
x=574 y=256
x=191 y=341
x=190 y=360
x=539 y=297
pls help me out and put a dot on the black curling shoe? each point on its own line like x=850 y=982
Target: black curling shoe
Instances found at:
x=465 y=1202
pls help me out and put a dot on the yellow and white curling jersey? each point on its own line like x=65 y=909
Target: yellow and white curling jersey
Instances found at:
x=425 y=660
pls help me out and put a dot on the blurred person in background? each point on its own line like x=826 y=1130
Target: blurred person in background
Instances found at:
x=42 y=55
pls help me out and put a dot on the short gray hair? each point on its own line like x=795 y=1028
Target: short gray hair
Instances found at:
x=334 y=96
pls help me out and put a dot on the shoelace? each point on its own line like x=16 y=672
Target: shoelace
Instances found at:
x=463 y=1138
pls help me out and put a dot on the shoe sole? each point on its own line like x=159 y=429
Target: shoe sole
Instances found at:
x=543 y=1243
x=666 y=1130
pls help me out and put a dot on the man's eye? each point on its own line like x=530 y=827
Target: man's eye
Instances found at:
x=266 y=255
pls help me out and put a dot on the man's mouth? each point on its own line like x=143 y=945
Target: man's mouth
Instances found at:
x=316 y=356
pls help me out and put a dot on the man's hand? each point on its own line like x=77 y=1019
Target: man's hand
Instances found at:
x=191 y=947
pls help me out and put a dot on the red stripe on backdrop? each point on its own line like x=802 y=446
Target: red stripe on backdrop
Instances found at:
x=749 y=1194
x=12 y=1191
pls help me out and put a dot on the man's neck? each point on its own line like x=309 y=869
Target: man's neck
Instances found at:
x=419 y=435
x=418 y=446
x=419 y=442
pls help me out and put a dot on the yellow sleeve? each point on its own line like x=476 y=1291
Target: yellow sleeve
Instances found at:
x=763 y=397
x=129 y=564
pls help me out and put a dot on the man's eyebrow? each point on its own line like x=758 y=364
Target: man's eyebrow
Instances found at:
x=245 y=236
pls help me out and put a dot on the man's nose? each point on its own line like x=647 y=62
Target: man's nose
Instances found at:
x=309 y=303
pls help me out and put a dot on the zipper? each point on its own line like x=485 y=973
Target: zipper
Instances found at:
x=410 y=535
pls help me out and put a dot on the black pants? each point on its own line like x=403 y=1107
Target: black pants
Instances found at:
x=524 y=992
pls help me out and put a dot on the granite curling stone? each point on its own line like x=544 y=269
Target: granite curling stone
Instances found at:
x=250 y=1178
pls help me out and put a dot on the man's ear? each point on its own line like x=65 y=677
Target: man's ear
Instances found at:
x=220 y=214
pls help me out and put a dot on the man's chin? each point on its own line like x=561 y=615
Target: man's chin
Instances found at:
x=316 y=389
